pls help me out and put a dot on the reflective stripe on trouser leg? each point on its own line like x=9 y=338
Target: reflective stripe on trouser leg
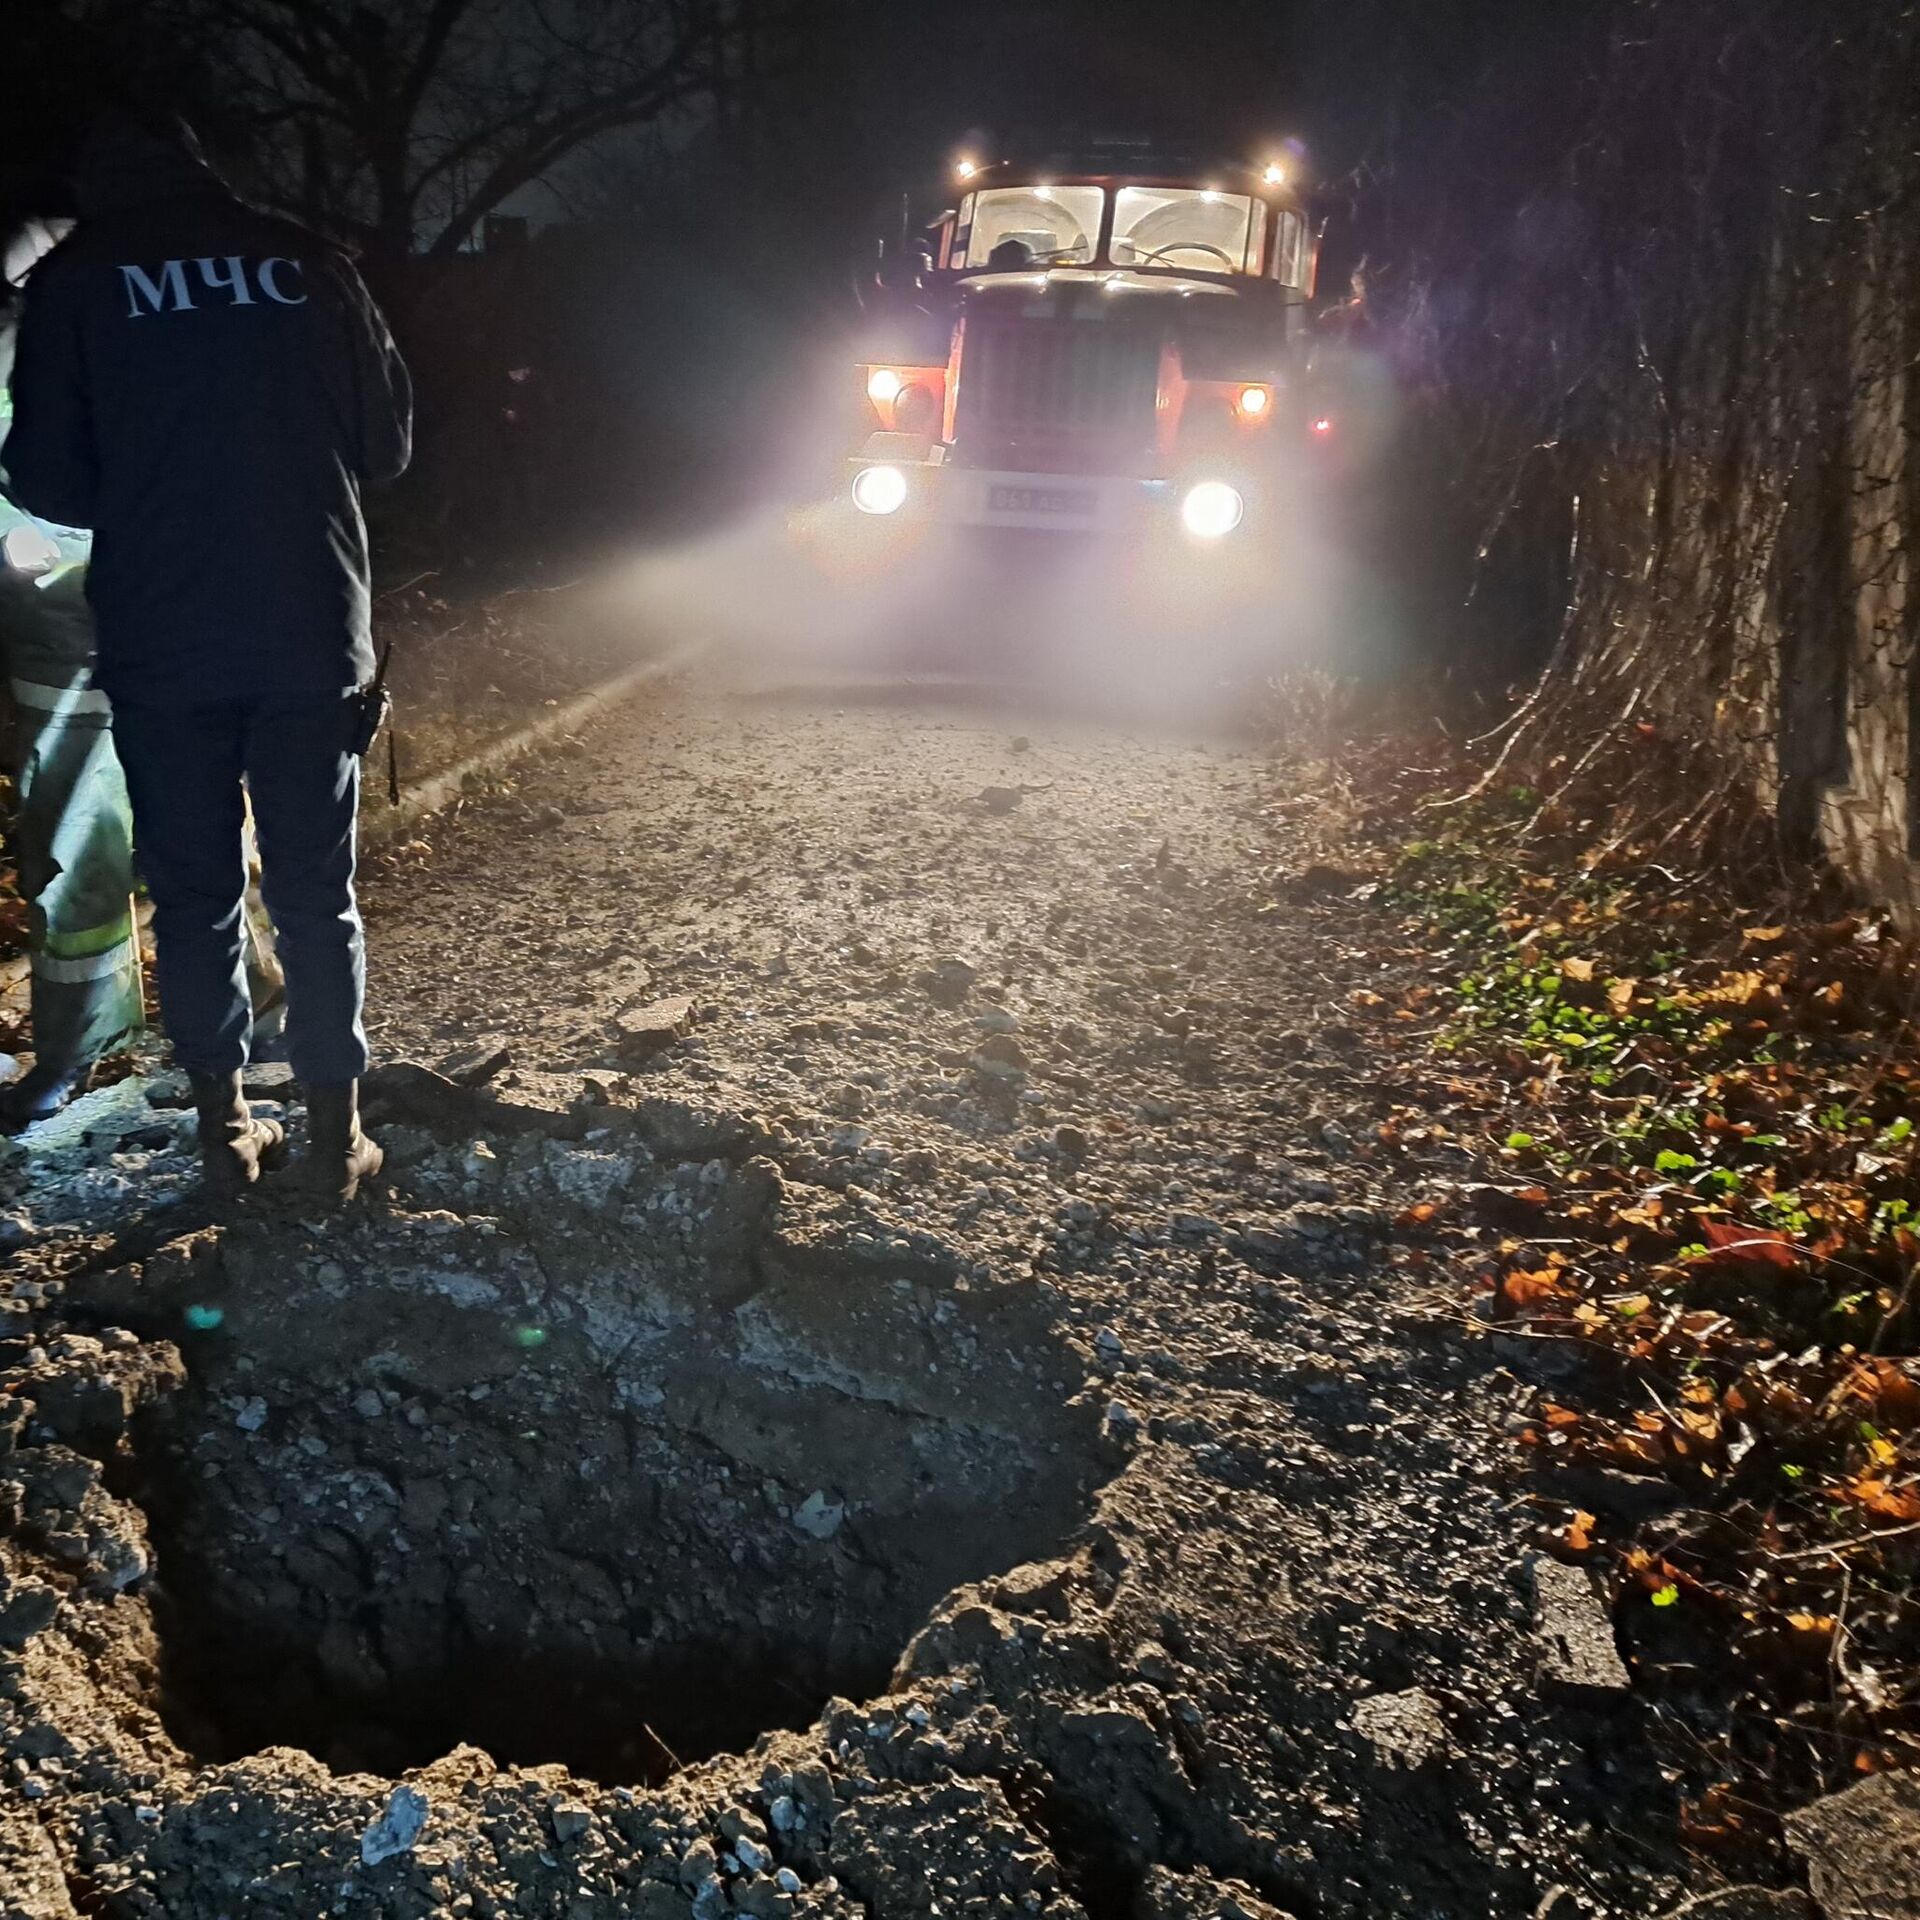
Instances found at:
x=84 y=1006
x=74 y=843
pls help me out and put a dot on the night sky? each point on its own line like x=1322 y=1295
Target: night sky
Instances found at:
x=1005 y=74
x=1225 y=78
x=1027 y=65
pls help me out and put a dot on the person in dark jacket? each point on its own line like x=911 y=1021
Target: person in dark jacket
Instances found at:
x=72 y=825
x=208 y=388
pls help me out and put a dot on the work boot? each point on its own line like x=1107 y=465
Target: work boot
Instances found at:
x=235 y=1145
x=40 y=1093
x=339 y=1156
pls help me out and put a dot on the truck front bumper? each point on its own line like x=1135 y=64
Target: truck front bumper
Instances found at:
x=937 y=492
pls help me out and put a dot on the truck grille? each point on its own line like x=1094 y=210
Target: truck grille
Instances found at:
x=1040 y=386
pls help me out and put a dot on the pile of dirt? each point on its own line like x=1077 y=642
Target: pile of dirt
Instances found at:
x=628 y=1461
x=630 y=1493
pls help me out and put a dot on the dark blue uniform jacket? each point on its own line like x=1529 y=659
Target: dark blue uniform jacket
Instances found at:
x=207 y=388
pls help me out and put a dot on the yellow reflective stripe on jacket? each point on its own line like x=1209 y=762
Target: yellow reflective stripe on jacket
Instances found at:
x=118 y=958
x=89 y=940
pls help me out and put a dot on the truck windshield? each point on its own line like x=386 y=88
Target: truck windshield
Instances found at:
x=1015 y=229
x=1187 y=229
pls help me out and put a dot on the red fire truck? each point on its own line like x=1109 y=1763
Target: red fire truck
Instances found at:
x=1093 y=349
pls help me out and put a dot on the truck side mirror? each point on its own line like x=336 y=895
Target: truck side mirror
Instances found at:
x=904 y=264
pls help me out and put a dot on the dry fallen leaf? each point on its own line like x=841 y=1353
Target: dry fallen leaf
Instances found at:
x=1729 y=1244
x=1519 y=1291
x=1902 y=1504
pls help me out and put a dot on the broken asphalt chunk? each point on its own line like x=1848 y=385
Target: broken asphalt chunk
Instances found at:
x=1575 y=1632
x=647 y=1032
x=397 y=1827
x=87 y=1392
x=948 y=982
x=1625 y=1497
x=405 y=1090
x=1405 y=1728
x=570 y=1820
x=677 y=1131
x=26 y=1608
x=475 y=1065
x=1862 y=1849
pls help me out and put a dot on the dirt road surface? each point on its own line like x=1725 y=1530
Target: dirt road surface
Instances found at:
x=904 y=1394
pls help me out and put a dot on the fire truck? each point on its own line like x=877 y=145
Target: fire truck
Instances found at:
x=1093 y=348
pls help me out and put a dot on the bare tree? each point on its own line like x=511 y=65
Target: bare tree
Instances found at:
x=407 y=123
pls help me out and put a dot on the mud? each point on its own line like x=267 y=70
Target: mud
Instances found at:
x=946 y=1421
x=628 y=1461
x=620 y=1472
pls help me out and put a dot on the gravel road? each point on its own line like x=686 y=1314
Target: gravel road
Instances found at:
x=1013 y=984
x=944 y=1091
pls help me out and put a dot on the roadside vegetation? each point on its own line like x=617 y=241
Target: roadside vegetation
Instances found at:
x=1686 y=1072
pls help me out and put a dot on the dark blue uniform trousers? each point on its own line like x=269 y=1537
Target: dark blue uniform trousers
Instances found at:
x=184 y=767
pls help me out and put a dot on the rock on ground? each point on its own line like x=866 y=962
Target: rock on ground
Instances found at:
x=1862 y=1849
x=32 y=1885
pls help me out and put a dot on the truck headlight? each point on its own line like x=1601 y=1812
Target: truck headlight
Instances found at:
x=1254 y=401
x=879 y=490
x=1212 y=509
x=883 y=386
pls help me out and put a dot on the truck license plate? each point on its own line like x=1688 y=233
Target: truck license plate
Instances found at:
x=1040 y=500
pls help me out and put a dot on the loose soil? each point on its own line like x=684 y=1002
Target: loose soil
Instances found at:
x=633 y=1477
x=905 y=1391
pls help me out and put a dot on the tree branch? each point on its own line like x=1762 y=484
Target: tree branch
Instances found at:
x=549 y=144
